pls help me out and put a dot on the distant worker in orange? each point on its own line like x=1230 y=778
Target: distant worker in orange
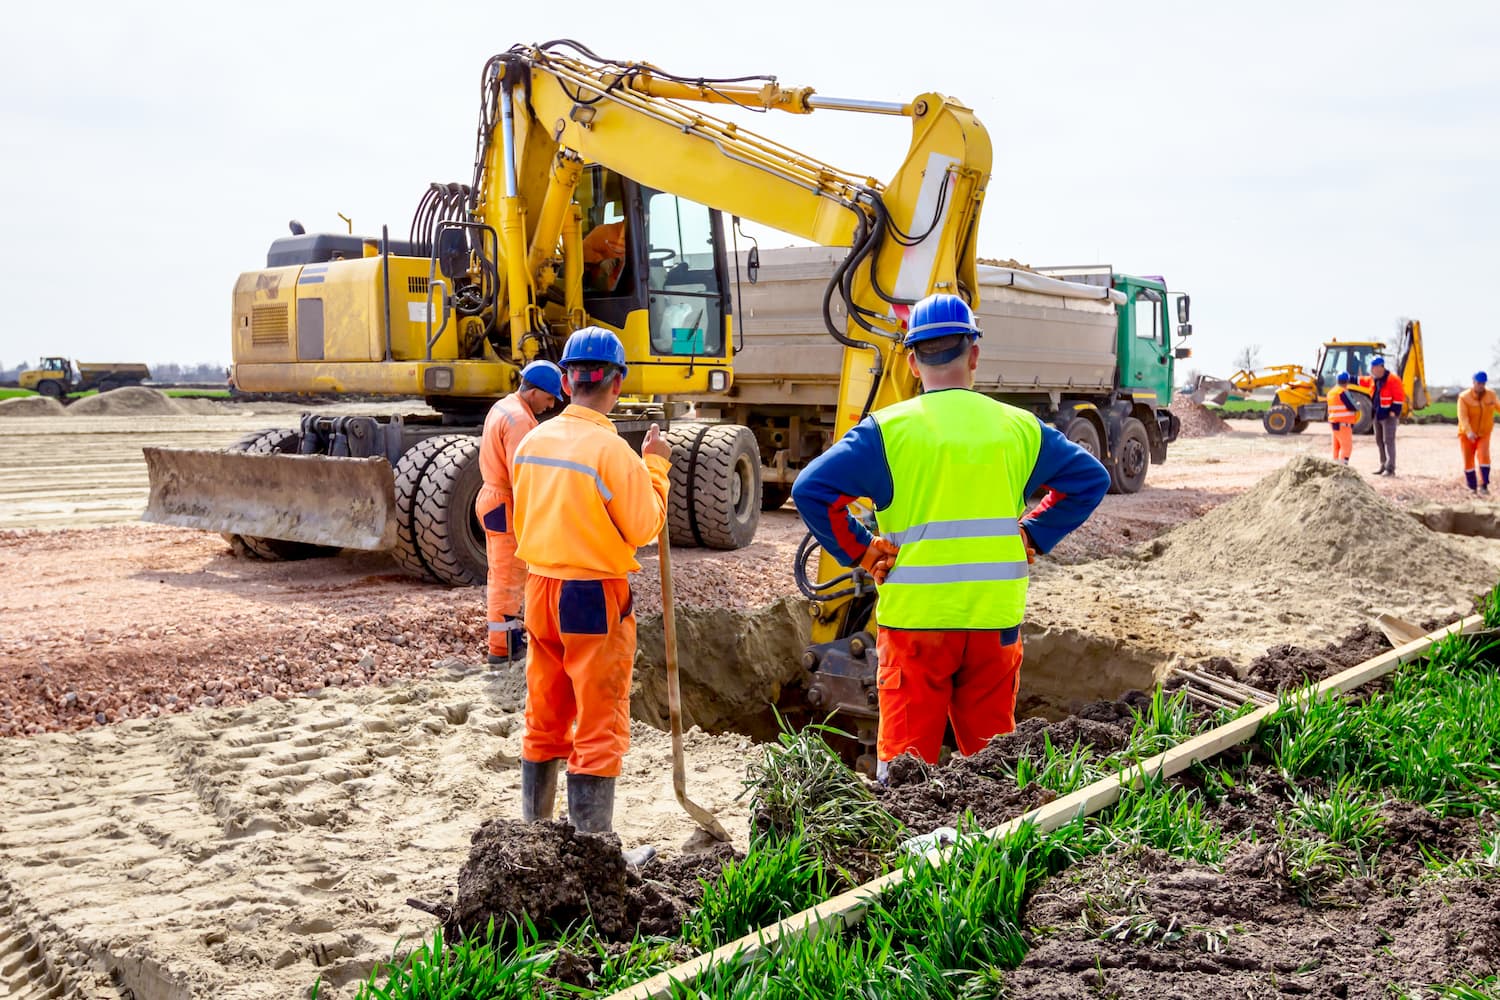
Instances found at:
x=508 y=422
x=584 y=503
x=604 y=256
x=1477 y=406
x=1341 y=418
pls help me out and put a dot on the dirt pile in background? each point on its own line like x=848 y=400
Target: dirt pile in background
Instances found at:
x=131 y=400
x=30 y=406
x=1315 y=516
x=1198 y=421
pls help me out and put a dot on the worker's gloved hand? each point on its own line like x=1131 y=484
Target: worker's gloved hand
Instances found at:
x=1030 y=549
x=655 y=444
x=879 y=558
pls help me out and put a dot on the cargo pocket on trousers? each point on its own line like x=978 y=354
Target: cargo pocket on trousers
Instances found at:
x=581 y=609
x=494 y=520
x=629 y=608
x=888 y=675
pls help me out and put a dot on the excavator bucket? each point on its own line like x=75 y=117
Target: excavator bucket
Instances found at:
x=1208 y=389
x=346 y=502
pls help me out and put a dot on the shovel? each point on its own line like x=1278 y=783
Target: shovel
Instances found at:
x=700 y=815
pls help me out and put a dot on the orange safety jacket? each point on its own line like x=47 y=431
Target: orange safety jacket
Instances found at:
x=1388 y=393
x=585 y=501
x=1339 y=410
x=1476 y=414
x=507 y=423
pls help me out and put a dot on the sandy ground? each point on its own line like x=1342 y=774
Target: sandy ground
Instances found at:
x=262 y=761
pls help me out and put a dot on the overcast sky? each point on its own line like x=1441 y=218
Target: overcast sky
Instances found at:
x=1304 y=170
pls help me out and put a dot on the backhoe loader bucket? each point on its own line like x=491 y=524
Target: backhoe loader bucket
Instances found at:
x=345 y=502
x=1208 y=389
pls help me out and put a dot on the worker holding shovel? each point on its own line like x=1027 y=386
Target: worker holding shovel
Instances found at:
x=584 y=503
x=1341 y=419
x=1476 y=421
x=949 y=473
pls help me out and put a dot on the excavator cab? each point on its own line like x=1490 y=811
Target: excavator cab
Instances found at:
x=1335 y=357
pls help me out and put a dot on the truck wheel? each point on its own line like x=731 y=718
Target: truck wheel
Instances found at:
x=1364 y=423
x=1082 y=432
x=773 y=496
x=281 y=441
x=449 y=536
x=50 y=388
x=725 y=469
x=1127 y=469
x=1279 y=419
x=410 y=471
x=683 y=438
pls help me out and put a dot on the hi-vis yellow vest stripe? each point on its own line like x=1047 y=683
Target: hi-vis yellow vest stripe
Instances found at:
x=959 y=463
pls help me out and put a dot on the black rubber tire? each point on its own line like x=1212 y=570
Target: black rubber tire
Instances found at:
x=773 y=496
x=1299 y=425
x=50 y=388
x=448 y=535
x=409 y=472
x=725 y=470
x=1132 y=458
x=1279 y=419
x=1365 y=424
x=280 y=441
x=683 y=438
x=1082 y=432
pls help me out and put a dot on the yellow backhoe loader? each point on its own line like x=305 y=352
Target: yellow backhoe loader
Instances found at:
x=1301 y=394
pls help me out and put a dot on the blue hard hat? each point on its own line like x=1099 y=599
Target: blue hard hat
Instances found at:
x=940 y=315
x=1343 y=378
x=1481 y=377
x=1377 y=361
x=596 y=344
x=545 y=376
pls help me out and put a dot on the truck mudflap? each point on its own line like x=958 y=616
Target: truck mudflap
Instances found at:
x=345 y=502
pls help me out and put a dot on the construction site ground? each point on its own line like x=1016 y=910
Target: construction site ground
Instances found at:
x=223 y=778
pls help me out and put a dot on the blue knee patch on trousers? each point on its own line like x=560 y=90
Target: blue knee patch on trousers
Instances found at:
x=494 y=520
x=581 y=609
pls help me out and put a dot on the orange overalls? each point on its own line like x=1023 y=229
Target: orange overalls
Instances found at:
x=1341 y=418
x=1476 y=416
x=584 y=502
x=508 y=422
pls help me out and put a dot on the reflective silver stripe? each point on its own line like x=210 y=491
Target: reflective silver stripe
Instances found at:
x=971 y=527
x=563 y=463
x=962 y=573
x=511 y=626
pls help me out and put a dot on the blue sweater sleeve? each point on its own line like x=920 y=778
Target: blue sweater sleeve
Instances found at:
x=1077 y=482
x=854 y=467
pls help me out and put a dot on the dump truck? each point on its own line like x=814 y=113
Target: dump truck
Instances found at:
x=58 y=378
x=1087 y=349
x=1300 y=395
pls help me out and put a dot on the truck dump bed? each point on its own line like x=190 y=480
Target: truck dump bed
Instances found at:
x=94 y=371
x=1040 y=333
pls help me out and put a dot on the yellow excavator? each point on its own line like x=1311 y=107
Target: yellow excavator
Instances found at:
x=1301 y=394
x=599 y=195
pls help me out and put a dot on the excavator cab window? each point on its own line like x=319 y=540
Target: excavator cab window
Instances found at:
x=1351 y=358
x=685 y=255
x=607 y=238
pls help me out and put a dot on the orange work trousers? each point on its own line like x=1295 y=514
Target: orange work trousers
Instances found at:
x=505 y=578
x=927 y=679
x=1343 y=442
x=581 y=636
x=1475 y=451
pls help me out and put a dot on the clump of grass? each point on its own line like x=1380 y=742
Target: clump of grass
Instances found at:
x=799 y=785
x=1489 y=607
x=1061 y=770
x=620 y=967
x=1166 y=817
x=508 y=963
x=779 y=876
x=1483 y=862
x=1347 y=815
x=1167 y=721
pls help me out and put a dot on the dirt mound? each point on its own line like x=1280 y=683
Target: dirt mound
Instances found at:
x=1314 y=516
x=30 y=406
x=131 y=400
x=559 y=879
x=1198 y=421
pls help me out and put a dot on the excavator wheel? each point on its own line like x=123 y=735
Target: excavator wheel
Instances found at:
x=716 y=495
x=1279 y=419
x=1299 y=425
x=281 y=441
x=437 y=535
x=1364 y=423
x=683 y=438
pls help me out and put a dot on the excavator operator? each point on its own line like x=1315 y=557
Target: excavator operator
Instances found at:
x=507 y=423
x=949 y=472
x=584 y=503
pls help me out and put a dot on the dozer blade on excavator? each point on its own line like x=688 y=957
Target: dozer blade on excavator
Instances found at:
x=1208 y=389
x=345 y=502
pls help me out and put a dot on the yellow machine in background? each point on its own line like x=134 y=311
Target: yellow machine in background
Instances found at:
x=56 y=377
x=598 y=196
x=1301 y=395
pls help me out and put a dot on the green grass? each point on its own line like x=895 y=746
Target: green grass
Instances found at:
x=779 y=876
x=490 y=966
x=176 y=393
x=1448 y=410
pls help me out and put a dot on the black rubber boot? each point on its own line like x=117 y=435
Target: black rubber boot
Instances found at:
x=591 y=803
x=538 y=790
